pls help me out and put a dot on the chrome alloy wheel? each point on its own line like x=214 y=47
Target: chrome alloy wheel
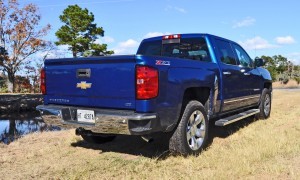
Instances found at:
x=195 y=132
x=267 y=104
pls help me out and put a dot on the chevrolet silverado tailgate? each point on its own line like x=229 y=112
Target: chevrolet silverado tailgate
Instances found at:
x=100 y=82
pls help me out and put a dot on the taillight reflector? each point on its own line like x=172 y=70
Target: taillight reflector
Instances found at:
x=43 y=81
x=146 y=82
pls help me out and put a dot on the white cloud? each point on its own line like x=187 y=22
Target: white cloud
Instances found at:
x=49 y=55
x=294 y=57
x=129 y=43
x=285 y=40
x=105 y=40
x=256 y=43
x=154 y=34
x=126 y=47
x=248 y=21
x=108 y=39
x=60 y=51
x=178 y=9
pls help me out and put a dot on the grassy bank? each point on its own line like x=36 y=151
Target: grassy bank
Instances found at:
x=248 y=150
x=19 y=102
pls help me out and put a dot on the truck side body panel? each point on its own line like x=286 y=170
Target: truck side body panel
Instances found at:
x=175 y=78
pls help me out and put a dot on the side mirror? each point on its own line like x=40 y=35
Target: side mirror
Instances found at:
x=259 y=62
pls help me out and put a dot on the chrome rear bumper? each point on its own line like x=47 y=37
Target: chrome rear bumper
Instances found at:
x=106 y=121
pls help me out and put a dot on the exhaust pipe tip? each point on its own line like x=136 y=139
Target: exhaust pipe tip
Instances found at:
x=80 y=131
x=148 y=139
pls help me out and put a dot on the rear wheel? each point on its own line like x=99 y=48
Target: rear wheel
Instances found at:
x=97 y=138
x=191 y=135
x=265 y=104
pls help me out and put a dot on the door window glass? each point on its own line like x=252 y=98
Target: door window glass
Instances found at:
x=226 y=54
x=242 y=56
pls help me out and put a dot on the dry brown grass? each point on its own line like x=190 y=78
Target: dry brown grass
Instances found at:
x=291 y=84
x=248 y=150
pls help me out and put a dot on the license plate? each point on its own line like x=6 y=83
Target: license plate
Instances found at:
x=85 y=116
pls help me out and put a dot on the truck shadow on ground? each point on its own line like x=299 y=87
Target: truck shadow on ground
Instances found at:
x=158 y=148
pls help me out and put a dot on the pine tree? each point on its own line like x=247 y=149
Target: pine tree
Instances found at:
x=80 y=32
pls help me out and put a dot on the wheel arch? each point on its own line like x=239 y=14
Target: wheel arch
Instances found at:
x=268 y=85
x=200 y=94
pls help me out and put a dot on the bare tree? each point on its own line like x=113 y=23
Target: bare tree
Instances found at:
x=20 y=37
x=33 y=69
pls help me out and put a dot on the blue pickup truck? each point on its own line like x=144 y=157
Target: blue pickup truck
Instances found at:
x=175 y=84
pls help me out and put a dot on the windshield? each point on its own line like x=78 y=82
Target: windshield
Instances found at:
x=186 y=48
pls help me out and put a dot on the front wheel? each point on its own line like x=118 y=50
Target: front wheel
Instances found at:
x=191 y=135
x=265 y=104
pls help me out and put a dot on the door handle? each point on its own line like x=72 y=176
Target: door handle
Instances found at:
x=227 y=73
x=245 y=73
x=83 y=73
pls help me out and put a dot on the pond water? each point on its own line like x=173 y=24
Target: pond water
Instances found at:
x=14 y=126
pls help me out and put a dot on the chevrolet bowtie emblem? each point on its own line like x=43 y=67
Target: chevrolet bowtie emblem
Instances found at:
x=84 y=85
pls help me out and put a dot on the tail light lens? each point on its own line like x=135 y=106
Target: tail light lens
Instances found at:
x=146 y=82
x=43 y=81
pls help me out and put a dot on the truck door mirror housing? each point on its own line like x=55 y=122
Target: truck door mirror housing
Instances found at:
x=259 y=62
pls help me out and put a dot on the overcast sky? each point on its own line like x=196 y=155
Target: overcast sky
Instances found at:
x=262 y=27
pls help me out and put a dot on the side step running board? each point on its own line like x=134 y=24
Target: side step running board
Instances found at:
x=236 y=117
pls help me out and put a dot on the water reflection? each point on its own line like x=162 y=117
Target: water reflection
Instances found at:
x=14 y=126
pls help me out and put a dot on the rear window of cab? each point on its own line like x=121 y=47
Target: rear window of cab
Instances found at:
x=185 y=48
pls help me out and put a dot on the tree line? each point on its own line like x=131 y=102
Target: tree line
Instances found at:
x=281 y=69
x=22 y=37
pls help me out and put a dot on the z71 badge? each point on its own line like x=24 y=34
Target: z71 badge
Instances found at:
x=162 y=63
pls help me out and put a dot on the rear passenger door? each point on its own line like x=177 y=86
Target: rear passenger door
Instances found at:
x=233 y=87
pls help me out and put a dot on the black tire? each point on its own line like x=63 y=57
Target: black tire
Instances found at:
x=189 y=131
x=265 y=104
x=98 y=138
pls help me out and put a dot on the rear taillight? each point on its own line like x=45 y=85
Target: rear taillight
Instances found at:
x=43 y=81
x=146 y=82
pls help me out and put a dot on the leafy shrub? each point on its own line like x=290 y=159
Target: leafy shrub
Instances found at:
x=297 y=79
x=285 y=80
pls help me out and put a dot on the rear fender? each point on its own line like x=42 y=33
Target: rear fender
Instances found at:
x=180 y=80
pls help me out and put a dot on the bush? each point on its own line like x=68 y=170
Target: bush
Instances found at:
x=285 y=80
x=297 y=79
x=3 y=89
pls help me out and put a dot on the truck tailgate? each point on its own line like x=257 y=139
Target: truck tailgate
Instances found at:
x=100 y=82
